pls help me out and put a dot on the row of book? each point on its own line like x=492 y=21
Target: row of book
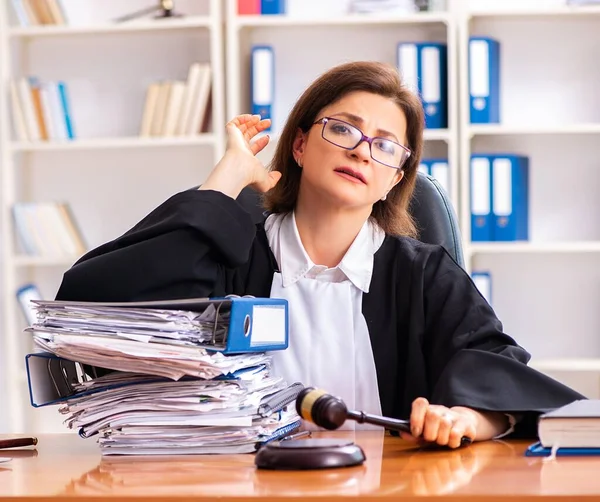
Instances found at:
x=499 y=196
x=41 y=110
x=424 y=69
x=47 y=229
x=280 y=7
x=184 y=376
x=178 y=108
x=264 y=7
x=39 y=12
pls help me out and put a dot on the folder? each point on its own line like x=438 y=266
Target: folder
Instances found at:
x=481 y=198
x=251 y=324
x=272 y=7
x=510 y=187
x=438 y=169
x=423 y=67
x=484 y=80
x=483 y=282
x=52 y=379
x=263 y=81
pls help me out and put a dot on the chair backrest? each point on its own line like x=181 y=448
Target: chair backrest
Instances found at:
x=430 y=207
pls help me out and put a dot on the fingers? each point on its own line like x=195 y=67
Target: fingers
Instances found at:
x=256 y=127
x=250 y=125
x=260 y=144
x=462 y=427
x=438 y=424
x=417 y=416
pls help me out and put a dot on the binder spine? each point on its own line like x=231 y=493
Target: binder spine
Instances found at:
x=263 y=83
x=481 y=199
x=484 y=80
x=433 y=84
x=272 y=7
x=511 y=198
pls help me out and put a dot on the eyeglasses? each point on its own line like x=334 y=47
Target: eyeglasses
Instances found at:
x=347 y=136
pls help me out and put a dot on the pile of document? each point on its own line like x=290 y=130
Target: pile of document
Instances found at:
x=169 y=391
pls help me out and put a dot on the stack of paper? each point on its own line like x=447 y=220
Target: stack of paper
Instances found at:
x=171 y=392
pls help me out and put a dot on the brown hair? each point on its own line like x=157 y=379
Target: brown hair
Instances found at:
x=378 y=78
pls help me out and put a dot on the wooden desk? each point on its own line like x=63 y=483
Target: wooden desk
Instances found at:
x=68 y=465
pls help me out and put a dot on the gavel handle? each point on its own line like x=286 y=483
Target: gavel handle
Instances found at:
x=394 y=424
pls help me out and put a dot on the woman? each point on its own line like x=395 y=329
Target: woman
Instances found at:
x=391 y=325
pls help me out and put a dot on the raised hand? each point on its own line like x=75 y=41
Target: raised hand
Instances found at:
x=240 y=167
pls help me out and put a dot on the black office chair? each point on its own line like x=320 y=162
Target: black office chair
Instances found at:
x=431 y=208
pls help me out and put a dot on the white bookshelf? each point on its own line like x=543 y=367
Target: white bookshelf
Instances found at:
x=110 y=176
x=545 y=290
x=132 y=142
x=336 y=37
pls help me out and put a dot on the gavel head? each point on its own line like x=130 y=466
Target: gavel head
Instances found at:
x=320 y=408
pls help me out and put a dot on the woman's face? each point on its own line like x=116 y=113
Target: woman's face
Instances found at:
x=352 y=178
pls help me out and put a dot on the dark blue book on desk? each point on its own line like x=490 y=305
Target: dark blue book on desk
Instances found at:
x=537 y=450
x=573 y=429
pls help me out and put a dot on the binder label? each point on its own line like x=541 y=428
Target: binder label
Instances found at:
x=268 y=325
x=480 y=181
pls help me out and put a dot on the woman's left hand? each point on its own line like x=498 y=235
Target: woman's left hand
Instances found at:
x=439 y=424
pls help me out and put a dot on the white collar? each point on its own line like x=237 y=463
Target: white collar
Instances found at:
x=294 y=262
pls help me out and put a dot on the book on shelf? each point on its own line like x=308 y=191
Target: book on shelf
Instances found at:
x=41 y=110
x=257 y=7
x=47 y=229
x=39 y=12
x=176 y=107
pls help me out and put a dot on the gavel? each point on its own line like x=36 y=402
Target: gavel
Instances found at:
x=329 y=412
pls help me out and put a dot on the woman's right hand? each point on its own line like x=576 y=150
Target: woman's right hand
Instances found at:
x=240 y=167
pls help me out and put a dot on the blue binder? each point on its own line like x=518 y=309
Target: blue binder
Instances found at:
x=438 y=169
x=424 y=69
x=255 y=324
x=510 y=188
x=272 y=7
x=262 y=81
x=484 y=80
x=481 y=198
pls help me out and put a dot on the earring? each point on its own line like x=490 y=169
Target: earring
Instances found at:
x=299 y=163
x=384 y=196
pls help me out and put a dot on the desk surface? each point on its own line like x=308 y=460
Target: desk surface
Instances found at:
x=64 y=464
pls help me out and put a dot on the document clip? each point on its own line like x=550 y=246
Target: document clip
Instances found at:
x=52 y=379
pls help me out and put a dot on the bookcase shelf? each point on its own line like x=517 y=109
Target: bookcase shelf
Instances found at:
x=533 y=247
x=364 y=36
x=556 y=272
x=544 y=290
x=39 y=261
x=539 y=12
x=191 y=22
x=116 y=143
x=346 y=20
x=504 y=130
x=108 y=175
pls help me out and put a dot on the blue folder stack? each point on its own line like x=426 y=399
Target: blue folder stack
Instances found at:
x=499 y=197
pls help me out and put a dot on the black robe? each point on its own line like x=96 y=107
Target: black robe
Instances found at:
x=433 y=334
